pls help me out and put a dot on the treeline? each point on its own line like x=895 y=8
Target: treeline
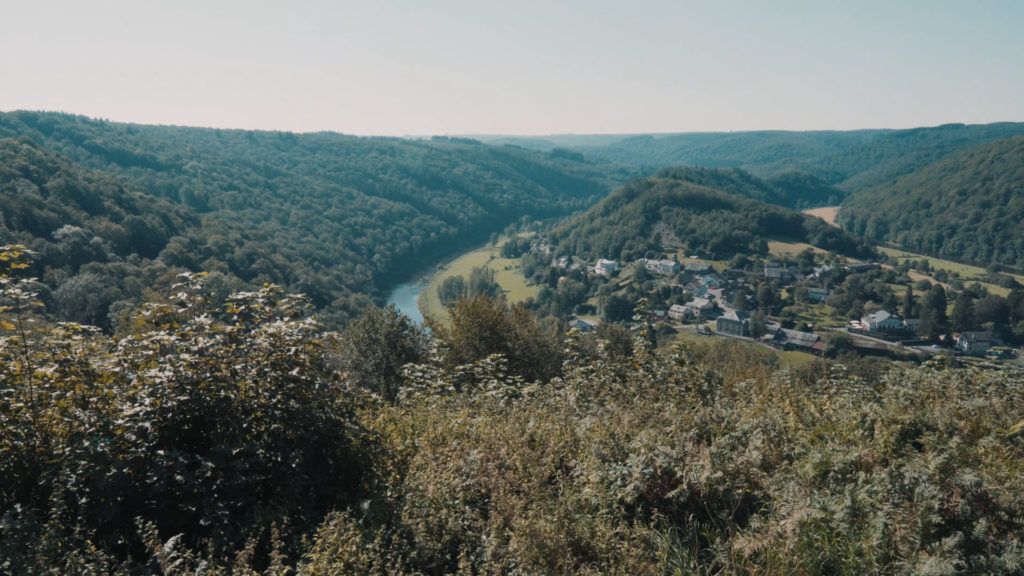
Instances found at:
x=235 y=437
x=968 y=207
x=689 y=206
x=339 y=218
x=850 y=160
x=790 y=189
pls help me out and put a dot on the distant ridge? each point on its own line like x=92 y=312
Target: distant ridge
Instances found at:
x=850 y=160
x=968 y=206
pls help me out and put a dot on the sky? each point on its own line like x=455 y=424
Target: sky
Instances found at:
x=526 y=67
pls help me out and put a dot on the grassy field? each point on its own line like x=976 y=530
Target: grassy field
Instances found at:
x=506 y=272
x=826 y=213
x=967 y=272
x=787 y=358
x=779 y=248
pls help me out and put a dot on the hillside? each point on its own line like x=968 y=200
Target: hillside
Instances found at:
x=337 y=217
x=96 y=238
x=850 y=160
x=714 y=213
x=969 y=207
x=789 y=189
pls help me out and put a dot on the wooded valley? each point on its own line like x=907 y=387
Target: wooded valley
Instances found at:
x=198 y=374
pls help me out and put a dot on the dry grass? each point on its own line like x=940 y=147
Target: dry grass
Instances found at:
x=779 y=248
x=826 y=213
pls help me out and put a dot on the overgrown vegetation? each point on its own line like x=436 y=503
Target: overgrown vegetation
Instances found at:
x=216 y=438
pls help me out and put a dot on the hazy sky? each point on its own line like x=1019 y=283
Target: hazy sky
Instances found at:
x=517 y=66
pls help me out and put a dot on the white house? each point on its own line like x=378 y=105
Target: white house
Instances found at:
x=606 y=267
x=668 y=267
x=678 y=311
x=881 y=321
x=975 y=343
x=700 y=306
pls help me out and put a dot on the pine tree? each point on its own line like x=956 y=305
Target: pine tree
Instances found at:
x=964 y=317
x=908 y=302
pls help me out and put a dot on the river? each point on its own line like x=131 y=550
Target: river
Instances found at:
x=405 y=297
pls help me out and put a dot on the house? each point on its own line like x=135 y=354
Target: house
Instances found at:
x=975 y=343
x=668 y=267
x=822 y=270
x=697 y=267
x=736 y=323
x=818 y=294
x=561 y=262
x=657 y=315
x=773 y=271
x=696 y=289
x=795 y=340
x=700 y=306
x=542 y=248
x=606 y=267
x=911 y=325
x=582 y=325
x=678 y=312
x=881 y=321
x=711 y=280
x=664 y=267
x=735 y=273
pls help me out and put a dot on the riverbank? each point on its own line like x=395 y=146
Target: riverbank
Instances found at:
x=507 y=273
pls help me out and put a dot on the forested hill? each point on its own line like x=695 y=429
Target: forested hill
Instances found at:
x=969 y=206
x=851 y=160
x=708 y=212
x=792 y=189
x=337 y=217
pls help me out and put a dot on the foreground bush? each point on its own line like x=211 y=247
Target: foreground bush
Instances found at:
x=215 y=440
x=666 y=465
x=204 y=426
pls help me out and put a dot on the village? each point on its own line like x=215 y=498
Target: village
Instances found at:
x=807 y=302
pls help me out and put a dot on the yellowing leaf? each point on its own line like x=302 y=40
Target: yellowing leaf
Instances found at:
x=6 y=325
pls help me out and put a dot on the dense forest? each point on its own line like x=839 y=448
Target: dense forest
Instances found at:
x=194 y=378
x=850 y=160
x=233 y=437
x=338 y=218
x=712 y=213
x=969 y=207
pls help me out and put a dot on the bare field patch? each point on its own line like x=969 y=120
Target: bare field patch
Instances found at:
x=826 y=213
x=779 y=248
